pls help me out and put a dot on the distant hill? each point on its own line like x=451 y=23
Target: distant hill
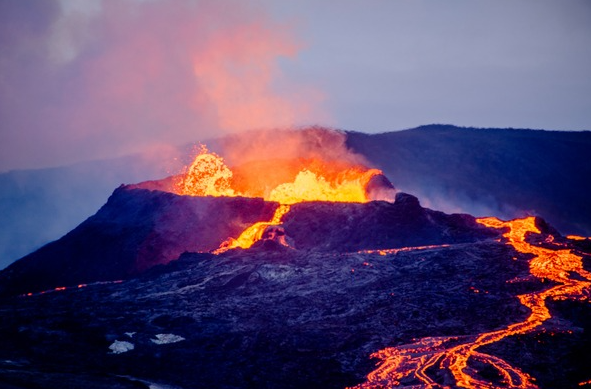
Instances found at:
x=503 y=172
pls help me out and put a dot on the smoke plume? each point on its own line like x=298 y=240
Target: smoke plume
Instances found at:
x=288 y=144
x=94 y=79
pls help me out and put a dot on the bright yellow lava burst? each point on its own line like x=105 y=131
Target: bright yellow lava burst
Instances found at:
x=208 y=175
x=308 y=186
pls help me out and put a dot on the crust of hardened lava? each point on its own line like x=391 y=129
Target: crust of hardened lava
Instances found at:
x=378 y=225
x=135 y=230
x=260 y=318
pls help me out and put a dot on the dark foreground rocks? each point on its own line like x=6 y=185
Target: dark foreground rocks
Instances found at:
x=282 y=318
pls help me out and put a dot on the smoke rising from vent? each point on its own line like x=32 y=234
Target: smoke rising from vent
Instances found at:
x=288 y=144
x=261 y=160
x=95 y=79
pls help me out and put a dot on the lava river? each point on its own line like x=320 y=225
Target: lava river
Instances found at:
x=409 y=365
x=412 y=365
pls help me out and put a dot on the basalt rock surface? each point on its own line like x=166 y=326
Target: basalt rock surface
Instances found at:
x=139 y=228
x=135 y=230
x=283 y=318
x=349 y=227
x=357 y=278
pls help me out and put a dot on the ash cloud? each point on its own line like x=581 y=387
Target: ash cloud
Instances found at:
x=94 y=79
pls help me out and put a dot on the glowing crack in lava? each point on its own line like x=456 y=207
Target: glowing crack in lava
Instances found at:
x=208 y=175
x=410 y=365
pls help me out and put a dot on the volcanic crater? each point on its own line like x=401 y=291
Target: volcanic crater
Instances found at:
x=329 y=279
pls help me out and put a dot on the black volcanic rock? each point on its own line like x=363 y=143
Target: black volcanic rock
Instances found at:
x=380 y=188
x=138 y=229
x=135 y=230
x=290 y=319
x=377 y=225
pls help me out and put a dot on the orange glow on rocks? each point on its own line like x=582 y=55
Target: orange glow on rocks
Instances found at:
x=411 y=362
x=63 y=288
x=278 y=181
x=576 y=237
x=253 y=233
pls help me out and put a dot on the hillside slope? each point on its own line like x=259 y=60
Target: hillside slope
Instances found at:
x=502 y=172
x=138 y=229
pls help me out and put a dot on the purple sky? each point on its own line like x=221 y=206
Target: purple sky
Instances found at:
x=83 y=80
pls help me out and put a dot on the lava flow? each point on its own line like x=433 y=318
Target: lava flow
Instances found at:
x=316 y=180
x=410 y=365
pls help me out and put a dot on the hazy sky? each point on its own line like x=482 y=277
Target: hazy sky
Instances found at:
x=92 y=79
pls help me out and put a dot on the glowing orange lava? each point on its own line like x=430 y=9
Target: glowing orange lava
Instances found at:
x=576 y=237
x=62 y=288
x=410 y=362
x=206 y=176
x=316 y=180
x=253 y=233
x=384 y=252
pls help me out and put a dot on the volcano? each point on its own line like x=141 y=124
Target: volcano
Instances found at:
x=316 y=273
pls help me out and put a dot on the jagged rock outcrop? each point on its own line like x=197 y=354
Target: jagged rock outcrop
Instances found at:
x=137 y=229
x=347 y=227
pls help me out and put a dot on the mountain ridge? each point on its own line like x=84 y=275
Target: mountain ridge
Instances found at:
x=502 y=172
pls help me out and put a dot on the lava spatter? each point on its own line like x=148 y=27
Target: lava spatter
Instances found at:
x=336 y=181
x=207 y=175
x=414 y=363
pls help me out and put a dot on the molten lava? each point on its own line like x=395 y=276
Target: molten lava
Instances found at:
x=207 y=176
x=284 y=182
x=253 y=233
x=309 y=186
x=576 y=237
x=411 y=362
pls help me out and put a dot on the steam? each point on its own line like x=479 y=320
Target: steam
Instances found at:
x=237 y=77
x=94 y=79
x=449 y=201
x=289 y=144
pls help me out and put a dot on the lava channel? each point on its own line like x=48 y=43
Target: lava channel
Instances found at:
x=411 y=362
